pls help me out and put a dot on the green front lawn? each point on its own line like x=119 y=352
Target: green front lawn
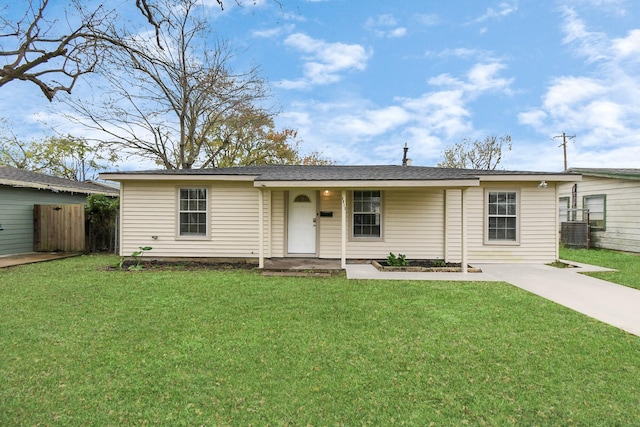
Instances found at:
x=627 y=264
x=83 y=346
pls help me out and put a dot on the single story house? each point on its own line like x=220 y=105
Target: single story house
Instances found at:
x=612 y=198
x=341 y=212
x=21 y=189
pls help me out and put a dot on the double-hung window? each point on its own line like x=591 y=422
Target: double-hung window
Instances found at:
x=367 y=214
x=597 y=211
x=193 y=212
x=502 y=216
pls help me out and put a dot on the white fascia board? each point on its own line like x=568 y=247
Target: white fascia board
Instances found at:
x=369 y=184
x=521 y=178
x=118 y=177
x=54 y=188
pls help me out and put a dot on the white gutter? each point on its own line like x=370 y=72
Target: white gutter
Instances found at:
x=471 y=182
x=114 y=176
x=54 y=188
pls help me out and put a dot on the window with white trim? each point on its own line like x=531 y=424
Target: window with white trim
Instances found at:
x=502 y=216
x=367 y=214
x=597 y=210
x=193 y=212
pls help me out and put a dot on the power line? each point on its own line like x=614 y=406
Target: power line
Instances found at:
x=564 y=145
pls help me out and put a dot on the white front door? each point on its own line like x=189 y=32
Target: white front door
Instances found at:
x=302 y=222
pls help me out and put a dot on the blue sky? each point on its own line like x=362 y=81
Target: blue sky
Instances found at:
x=359 y=79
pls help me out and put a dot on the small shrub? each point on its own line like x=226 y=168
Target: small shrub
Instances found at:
x=397 y=261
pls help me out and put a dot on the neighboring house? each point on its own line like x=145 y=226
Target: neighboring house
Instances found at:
x=612 y=197
x=20 y=190
x=341 y=212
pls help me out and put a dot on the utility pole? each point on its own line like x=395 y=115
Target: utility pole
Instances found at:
x=564 y=145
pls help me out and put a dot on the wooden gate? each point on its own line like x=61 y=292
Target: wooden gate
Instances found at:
x=58 y=228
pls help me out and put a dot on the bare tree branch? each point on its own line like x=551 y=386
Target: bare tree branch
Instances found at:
x=183 y=106
x=485 y=155
x=54 y=55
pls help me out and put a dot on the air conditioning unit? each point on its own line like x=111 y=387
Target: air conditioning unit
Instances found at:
x=575 y=234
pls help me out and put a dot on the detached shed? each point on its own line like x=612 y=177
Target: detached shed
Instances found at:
x=21 y=190
x=612 y=199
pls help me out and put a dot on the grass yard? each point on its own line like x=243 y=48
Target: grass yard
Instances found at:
x=83 y=346
x=627 y=264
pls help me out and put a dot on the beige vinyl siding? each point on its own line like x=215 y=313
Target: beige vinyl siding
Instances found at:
x=330 y=234
x=277 y=223
x=150 y=209
x=453 y=221
x=622 y=211
x=536 y=225
x=412 y=225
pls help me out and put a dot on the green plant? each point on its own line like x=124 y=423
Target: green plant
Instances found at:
x=397 y=261
x=438 y=263
x=137 y=256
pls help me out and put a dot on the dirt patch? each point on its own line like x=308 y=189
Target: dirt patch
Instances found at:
x=132 y=265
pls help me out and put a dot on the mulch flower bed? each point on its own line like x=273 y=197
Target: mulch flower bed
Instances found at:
x=426 y=265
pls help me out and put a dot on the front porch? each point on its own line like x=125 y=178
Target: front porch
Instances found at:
x=297 y=266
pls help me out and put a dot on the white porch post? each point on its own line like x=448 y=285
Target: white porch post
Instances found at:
x=260 y=228
x=446 y=226
x=557 y=204
x=343 y=250
x=463 y=226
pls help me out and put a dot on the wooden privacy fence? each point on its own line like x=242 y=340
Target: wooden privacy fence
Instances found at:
x=59 y=228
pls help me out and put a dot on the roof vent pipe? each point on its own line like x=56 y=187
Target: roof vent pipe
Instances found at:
x=405 y=161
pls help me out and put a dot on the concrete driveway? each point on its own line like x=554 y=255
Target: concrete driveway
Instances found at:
x=608 y=302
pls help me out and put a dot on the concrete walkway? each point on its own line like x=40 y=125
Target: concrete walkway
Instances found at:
x=608 y=302
x=31 y=257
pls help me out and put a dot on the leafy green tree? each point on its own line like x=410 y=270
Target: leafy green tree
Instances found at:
x=249 y=138
x=65 y=157
x=483 y=155
x=102 y=212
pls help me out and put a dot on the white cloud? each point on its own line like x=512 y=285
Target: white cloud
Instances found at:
x=504 y=9
x=385 y=26
x=273 y=32
x=481 y=77
x=427 y=123
x=600 y=108
x=627 y=47
x=463 y=53
x=427 y=20
x=566 y=92
x=593 y=45
x=325 y=62
x=533 y=118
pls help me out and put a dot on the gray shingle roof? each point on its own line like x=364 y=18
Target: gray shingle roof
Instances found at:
x=23 y=178
x=621 y=173
x=337 y=173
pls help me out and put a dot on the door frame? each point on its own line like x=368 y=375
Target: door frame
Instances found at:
x=316 y=199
